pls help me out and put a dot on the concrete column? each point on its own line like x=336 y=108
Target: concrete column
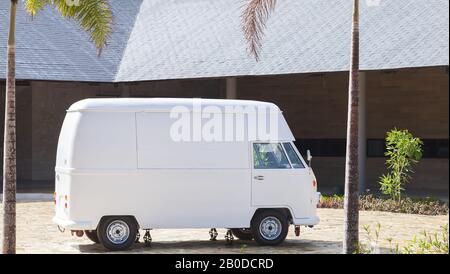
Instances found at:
x=362 y=153
x=125 y=92
x=231 y=90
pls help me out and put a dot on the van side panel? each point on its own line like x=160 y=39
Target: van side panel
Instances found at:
x=92 y=147
x=105 y=141
x=190 y=183
x=161 y=199
x=159 y=147
x=66 y=140
x=64 y=163
x=172 y=188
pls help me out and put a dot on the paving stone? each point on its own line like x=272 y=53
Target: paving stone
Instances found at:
x=37 y=234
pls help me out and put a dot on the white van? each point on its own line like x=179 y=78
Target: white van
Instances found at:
x=125 y=165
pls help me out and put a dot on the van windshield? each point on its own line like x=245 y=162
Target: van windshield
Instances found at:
x=293 y=156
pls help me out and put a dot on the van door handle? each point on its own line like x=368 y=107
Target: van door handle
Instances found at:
x=259 y=178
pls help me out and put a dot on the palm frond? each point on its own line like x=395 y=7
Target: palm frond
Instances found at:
x=254 y=19
x=33 y=6
x=94 y=16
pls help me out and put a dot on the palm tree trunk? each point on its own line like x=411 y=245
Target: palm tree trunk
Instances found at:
x=351 y=204
x=9 y=151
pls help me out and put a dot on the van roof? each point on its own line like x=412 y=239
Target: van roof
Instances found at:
x=161 y=104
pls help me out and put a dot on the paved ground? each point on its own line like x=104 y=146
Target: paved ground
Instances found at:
x=37 y=234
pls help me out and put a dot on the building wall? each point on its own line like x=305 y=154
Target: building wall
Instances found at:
x=315 y=106
x=52 y=99
x=307 y=101
x=415 y=99
x=23 y=127
x=50 y=102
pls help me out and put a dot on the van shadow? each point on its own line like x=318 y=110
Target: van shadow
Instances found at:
x=221 y=247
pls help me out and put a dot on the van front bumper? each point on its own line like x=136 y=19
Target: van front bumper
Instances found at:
x=310 y=221
x=318 y=197
x=72 y=225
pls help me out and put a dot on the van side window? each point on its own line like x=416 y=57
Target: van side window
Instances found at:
x=295 y=160
x=269 y=156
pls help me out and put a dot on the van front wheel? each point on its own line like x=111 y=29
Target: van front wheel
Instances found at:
x=117 y=233
x=269 y=227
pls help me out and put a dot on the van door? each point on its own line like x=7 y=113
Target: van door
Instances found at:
x=280 y=178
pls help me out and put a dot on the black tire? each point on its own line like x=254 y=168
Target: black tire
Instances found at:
x=126 y=224
x=244 y=234
x=272 y=219
x=92 y=235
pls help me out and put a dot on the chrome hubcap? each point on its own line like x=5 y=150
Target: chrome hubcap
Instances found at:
x=270 y=228
x=118 y=232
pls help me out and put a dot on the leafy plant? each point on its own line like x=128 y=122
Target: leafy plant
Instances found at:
x=372 y=247
x=404 y=151
x=437 y=243
x=243 y=249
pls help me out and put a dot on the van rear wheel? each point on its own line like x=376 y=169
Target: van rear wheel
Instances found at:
x=92 y=235
x=269 y=227
x=117 y=233
x=244 y=234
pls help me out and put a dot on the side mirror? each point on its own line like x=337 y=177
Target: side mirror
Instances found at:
x=308 y=157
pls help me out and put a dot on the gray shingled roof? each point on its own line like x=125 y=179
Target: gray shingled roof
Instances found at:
x=51 y=48
x=173 y=39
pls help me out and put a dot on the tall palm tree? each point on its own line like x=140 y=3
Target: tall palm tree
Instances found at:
x=95 y=17
x=254 y=20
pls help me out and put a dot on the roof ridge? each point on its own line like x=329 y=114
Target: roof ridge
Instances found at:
x=197 y=39
x=126 y=44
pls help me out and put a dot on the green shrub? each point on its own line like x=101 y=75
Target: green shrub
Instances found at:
x=332 y=202
x=403 y=151
x=424 y=206
x=406 y=205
